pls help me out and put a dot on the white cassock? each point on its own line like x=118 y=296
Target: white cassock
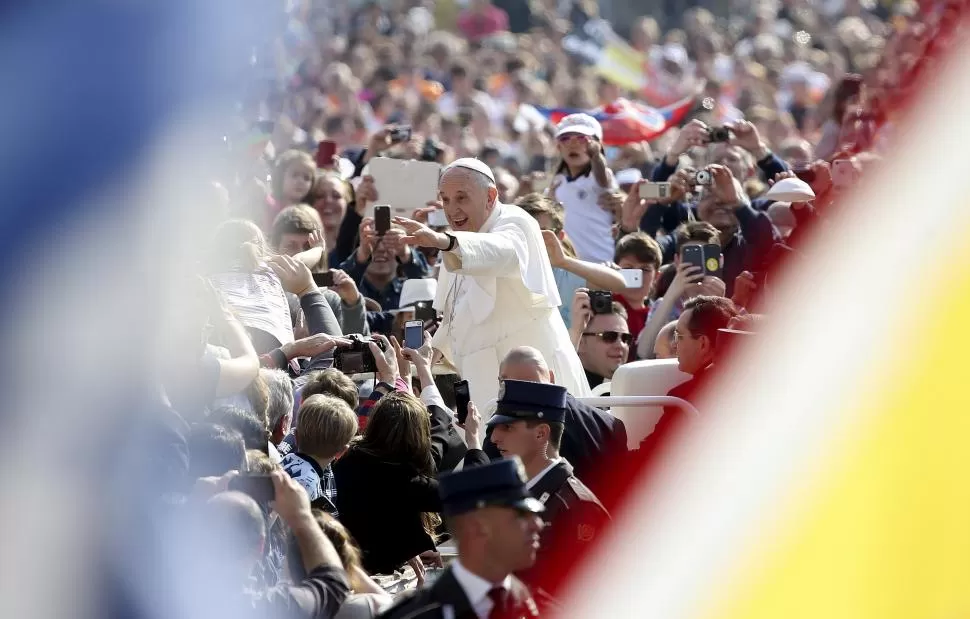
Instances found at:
x=496 y=291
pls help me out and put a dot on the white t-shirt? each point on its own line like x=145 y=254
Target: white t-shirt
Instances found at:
x=587 y=224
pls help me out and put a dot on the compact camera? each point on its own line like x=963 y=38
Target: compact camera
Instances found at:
x=703 y=177
x=719 y=134
x=601 y=301
x=356 y=358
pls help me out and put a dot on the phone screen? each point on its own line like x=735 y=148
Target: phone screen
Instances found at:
x=414 y=334
x=324 y=279
x=462 y=398
x=382 y=219
x=325 y=152
x=693 y=255
x=259 y=487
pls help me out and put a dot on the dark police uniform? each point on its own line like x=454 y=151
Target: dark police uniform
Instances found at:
x=500 y=483
x=573 y=516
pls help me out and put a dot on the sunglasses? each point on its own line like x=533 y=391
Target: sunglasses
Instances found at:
x=569 y=137
x=610 y=337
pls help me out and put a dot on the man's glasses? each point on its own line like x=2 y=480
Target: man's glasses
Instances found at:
x=610 y=337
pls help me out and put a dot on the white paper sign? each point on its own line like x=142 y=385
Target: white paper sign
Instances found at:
x=405 y=185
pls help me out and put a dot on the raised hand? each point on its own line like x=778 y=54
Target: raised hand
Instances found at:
x=294 y=275
x=420 y=235
x=557 y=257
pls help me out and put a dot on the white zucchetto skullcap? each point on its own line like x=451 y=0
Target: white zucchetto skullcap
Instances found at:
x=470 y=163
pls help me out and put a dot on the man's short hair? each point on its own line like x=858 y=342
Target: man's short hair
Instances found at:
x=280 y=389
x=326 y=426
x=214 y=450
x=297 y=219
x=696 y=232
x=640 y=247
x=556 y=430
x=709 y=314
x=253 y=429
x=332 y=381
x=618 y=309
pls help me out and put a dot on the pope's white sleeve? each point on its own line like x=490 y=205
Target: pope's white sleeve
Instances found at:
x=501 y=253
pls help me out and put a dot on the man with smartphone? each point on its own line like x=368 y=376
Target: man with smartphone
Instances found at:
x=382 y=263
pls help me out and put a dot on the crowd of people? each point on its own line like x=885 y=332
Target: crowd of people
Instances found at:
x=363 y=396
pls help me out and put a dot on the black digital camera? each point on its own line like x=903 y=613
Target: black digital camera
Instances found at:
x=601 y=301
x=356 y=358
x=719 y=134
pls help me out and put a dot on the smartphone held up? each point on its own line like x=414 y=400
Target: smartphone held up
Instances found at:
x=414 y=334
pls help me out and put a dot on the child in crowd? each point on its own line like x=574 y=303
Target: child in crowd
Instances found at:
x=580 y=180
x=324 y=428
x=293 y=177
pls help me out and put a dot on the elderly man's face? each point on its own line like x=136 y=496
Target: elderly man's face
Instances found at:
x=467 y=202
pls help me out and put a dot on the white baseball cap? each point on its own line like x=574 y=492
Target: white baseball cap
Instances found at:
x=414 y=290
x=580 y=123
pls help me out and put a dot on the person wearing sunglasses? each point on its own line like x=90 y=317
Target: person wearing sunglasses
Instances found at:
x=603 y=339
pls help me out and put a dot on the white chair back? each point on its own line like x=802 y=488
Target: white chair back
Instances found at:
x=647 y=377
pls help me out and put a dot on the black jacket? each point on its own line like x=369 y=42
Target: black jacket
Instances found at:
x=593 y=442
x=430 y=602
x=381 y=502
x=574 y=517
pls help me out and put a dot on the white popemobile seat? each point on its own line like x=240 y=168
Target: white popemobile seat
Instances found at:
x=651 y=377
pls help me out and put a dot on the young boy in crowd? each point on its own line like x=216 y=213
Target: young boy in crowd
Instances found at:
x=324 y=429
x=637 y=251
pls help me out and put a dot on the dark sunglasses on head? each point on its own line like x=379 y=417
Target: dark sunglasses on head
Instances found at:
x=610 y=337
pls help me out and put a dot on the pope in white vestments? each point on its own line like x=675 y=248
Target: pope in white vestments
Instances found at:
x=496 y=289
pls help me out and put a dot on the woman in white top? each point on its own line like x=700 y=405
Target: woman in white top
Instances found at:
x=581 y=179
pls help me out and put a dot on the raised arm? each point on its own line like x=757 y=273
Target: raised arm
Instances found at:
x=503 y=252
x=597 y=275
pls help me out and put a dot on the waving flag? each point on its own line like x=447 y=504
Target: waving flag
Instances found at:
x=626 y=121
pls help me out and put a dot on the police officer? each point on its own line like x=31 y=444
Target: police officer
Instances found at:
x=496 y=526
x=528 y=423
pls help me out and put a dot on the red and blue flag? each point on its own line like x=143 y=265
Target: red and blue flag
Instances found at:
x=626 y=121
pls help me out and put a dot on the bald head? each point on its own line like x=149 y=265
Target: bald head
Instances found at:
x=664 y=348
x=468 y=198
x=525 y=363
